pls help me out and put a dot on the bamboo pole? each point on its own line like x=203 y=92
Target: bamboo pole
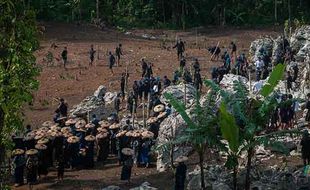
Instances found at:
x=143 y=109
x=185 y=93
x=148 y=105
x=218 y=43
x=126 y=79
x=133 y=113
x=98 y=52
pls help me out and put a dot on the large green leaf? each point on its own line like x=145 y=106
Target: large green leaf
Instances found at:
x=180 y=108
x=229 y=128
x=273 y=80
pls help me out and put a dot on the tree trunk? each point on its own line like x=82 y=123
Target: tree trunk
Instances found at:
x=97 y=10
x=248 y=169
x=202 y=175
x=2 y=150
x=235 y=178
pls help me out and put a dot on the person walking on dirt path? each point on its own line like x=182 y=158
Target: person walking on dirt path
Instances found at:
x=233 y=53
x=111 y=61
x=64 y=56
x=144 y=67
x=118 y=52
x=91 y=55
x=180 y=46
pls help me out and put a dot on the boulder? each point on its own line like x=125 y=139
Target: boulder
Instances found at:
x=220 y=186
x=101 y=103
x=111 y=187
x=178 y=92
x=216 y=177
x=228 y=80
x=100 y=92
x=265 y=43
x=144 y=186
x=300 y=40
x=170 y=129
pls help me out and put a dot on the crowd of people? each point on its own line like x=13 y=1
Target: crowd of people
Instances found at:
x=74 y=143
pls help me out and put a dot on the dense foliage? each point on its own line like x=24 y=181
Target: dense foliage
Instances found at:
x=18 y=40
x=174 y=13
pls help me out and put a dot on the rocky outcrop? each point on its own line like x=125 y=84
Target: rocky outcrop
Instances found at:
x=300 y=42
x=170 y=129
x=218 y=178
x=111 y=187
x=263 y=43
x=101 y=103
x=144 y=186
x=178 y=92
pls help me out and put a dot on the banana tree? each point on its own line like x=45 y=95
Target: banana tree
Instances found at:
x=244 y=116
x=201 y=131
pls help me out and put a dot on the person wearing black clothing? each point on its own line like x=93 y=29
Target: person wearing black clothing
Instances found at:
x=149 y=71
x=196 y=65
x=180 y=48
x=197 y=80
x=58 y=144
x=144 y=67
x=91 y=55
x=180 y=176
x=103 y=145
x=64 y=56
x=18 y=168
x=63 y=108
x=60 y=166
x=111 y=61
x=127 y=166
x=289 y=81
x=136 y=89
x=28 y=129
x=166 y=82
x=265 y=73
x=295 y=72
x=118 y=52
x=305 y=148
x=308 y=107
x=233 y=47
x=123 y=80
x=214 y=75
x=130 y=102
x=182 y=63
x=117 y=103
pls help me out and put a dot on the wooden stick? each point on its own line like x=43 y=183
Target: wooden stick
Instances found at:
x=185 y=94
x=218 y=43
x=126 y=79
x=98 y=52
x=133 y=113
x=143 y=111
x=148 y=105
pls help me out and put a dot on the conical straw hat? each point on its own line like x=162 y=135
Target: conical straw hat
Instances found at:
x=159 y=108
x=127 y=151
x=32 y=152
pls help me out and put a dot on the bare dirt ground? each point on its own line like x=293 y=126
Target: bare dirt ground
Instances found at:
x=79 y=80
